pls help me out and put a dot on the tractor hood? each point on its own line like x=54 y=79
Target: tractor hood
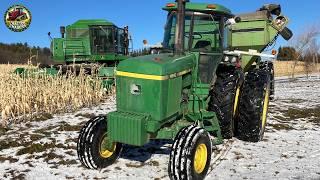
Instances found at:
x=158 y=64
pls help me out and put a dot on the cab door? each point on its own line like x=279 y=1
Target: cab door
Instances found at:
x=207 y=39
x=102 y=39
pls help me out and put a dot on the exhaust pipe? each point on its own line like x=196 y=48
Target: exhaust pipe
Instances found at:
x=179 y=38
x=62 y=31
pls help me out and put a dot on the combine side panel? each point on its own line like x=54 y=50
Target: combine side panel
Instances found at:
x=57 y=50
x=76 y=48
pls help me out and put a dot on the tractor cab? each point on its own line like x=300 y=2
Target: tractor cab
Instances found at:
x=205 y=31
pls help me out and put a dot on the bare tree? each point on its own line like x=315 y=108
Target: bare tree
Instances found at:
x=302 y=43
x=311 y=60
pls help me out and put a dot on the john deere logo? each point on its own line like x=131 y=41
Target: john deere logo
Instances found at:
x=17 y=18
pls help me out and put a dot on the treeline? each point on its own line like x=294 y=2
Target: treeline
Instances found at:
x=288 y=53
x=22 y=53
x=140 y=52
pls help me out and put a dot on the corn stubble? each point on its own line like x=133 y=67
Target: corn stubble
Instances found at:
x=23 y=98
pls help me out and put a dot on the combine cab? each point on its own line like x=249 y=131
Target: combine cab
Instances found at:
x=88 y=42
x=91 y=41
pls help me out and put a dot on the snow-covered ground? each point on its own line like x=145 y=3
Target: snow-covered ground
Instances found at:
x=45 y=148
x=291 y=146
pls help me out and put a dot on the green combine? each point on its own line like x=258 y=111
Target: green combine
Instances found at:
x=208 y=82
x=84 y=43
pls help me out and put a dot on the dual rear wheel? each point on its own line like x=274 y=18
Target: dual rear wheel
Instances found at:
x=241 y=102
x=253 y=107
x=224 y=98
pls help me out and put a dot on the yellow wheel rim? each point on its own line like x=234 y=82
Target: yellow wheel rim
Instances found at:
x=104 y=151
x=265 y=108
x=200 y=158
x=236 y=100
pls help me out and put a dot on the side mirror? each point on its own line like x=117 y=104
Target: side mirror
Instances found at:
x=49 y=35
x=237 y=19
x=230 y=22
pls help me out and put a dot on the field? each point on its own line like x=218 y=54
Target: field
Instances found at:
x=285 y=68
x=22 y=99
x=45 y=148
x=28 y=98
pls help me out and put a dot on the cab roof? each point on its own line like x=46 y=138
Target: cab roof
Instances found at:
x=84 y=23
x=201 y=7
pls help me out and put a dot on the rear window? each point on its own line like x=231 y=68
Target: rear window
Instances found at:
x=77 y=33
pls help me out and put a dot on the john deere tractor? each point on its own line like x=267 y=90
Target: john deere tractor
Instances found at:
x=88 y=42
x=210 y=81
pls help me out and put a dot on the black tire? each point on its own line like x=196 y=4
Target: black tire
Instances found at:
x=182 y=164
x=224 y=98
x=253 y=107
x=89 y=145
x=271 y=70
x=268 y=66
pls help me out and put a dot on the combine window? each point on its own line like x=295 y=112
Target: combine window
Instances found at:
x=120 y=41
x=102 y=40
x=77 y=33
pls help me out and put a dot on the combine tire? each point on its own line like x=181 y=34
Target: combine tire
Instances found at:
x=91 y=147
x=190 y=155
x=253 y=107
x=224 y=98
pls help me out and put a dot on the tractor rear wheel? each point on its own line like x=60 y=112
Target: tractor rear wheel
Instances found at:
x=190 y=155
x=268 y=66
x=271 y=70
x=224 y=98
x=253 y=107
x=95 y=151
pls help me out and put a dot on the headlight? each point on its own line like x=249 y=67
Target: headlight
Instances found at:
x=154 y=51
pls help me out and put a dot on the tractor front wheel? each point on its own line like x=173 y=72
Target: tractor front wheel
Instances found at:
x=95 y=150
x=190 y=155
x=253 y=107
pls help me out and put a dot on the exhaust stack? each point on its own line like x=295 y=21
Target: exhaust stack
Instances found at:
x=179 y=36
x=62 y=31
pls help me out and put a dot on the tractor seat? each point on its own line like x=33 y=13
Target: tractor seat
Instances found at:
x=203 y=45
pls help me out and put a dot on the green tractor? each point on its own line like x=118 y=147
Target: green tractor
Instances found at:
x=88 y=42
x=208 y=82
